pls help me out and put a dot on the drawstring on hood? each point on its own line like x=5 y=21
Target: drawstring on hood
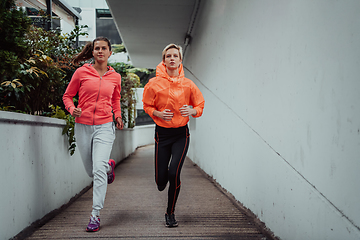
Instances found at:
x=161 y=72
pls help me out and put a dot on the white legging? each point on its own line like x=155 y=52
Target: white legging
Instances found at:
x=94 y=143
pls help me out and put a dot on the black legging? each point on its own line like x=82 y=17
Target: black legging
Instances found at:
x=170 y=143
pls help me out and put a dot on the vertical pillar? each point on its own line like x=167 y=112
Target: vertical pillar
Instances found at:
x=49 y=15
x=77 y=37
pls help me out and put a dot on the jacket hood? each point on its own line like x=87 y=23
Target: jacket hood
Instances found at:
x=161 y=72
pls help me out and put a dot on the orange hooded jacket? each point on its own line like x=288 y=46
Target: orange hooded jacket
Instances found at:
x=163 y=92
x=99 y=97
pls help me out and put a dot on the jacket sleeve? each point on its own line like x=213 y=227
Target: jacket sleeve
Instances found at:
x=149 y=96
x=197 y=100
x=71 y=91
x=115 y=100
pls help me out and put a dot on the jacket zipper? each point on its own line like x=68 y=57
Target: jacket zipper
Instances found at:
x=97 y=101
x=98 y=97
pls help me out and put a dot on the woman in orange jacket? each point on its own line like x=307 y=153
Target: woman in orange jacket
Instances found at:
x=167 y=99
x=98 y=86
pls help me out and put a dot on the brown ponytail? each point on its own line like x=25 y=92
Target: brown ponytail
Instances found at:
x=86 y=52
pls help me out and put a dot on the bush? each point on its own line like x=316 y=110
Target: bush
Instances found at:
x=51 y=53
x=14 y=24
x=45 y=74
x=129 y=81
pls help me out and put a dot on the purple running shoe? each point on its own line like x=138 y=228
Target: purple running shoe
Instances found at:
x=94 y=224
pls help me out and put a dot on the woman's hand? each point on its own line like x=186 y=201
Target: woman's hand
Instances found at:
x=76 y=112
x=166 y=115
x=186 y=111
x=119 y=123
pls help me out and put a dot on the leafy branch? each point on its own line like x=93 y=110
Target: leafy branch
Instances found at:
x=69 y=128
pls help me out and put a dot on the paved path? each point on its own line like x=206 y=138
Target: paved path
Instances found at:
x=134 y=208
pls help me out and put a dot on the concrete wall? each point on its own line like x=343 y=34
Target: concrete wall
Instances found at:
x=88 y=16
x=38 y=174
x=281 y=126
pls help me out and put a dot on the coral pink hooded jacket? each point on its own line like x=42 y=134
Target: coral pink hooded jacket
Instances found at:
x=163 y=92
x=98 y=96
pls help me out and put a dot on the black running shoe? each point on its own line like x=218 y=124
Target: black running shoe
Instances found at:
x=170 y=220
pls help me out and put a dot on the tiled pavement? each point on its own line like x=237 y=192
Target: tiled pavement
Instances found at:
x=134 y=208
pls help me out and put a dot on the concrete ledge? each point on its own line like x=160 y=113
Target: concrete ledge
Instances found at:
x=12 y=117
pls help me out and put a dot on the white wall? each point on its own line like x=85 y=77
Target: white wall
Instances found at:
x=38 y=174
x=88 y=16
x=281 y=125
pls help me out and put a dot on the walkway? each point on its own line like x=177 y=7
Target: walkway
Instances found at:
x=134 y=209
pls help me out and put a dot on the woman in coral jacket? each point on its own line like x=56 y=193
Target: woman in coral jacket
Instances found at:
x=167 y=99
x=98 y=86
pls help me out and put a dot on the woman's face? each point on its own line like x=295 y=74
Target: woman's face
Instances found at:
x=101 y=51
x=172 y=59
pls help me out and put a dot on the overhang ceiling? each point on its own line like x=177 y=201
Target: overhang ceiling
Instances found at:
x=147 y=26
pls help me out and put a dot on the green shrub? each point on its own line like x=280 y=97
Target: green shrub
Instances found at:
x=14 y=24
x=69 y=129
x=45 y=74
x=129 y=81
x=118 y=48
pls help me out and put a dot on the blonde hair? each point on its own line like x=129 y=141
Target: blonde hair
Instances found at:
x=172 y=45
